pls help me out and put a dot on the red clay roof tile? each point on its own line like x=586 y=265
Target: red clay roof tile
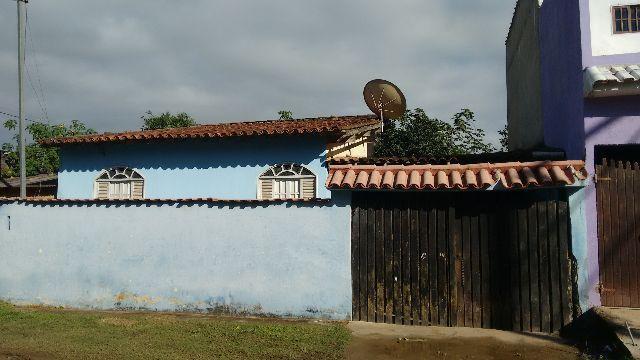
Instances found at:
x=324 y=125
x=461 y=177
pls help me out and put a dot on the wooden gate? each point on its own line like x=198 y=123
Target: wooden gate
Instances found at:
x=492 y=260
x=618 y=193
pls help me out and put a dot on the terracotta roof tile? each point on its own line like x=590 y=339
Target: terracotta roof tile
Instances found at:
x=514 y=175
x=322 y=125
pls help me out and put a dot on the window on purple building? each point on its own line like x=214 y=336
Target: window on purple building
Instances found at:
x=626 y=19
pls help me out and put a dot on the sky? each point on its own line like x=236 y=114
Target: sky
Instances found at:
x=107 y=62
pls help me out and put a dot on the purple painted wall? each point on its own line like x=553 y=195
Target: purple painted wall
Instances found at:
x=607 y=121
x=561 y=73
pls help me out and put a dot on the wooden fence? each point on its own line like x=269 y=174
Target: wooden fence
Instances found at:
x=618 y=192
x=472 y=259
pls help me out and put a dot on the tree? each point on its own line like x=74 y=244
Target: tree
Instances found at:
x=39 y=160
x=417 y=135
x=166 y=120
x=285 y=115
x=504 y=138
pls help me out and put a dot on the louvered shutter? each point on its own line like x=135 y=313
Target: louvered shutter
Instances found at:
x=266 y=189
x=137 y=189
x=102 y=190
x=308 y=188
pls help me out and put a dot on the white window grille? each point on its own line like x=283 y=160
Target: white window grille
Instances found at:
x=119 y=183
x=287 y=181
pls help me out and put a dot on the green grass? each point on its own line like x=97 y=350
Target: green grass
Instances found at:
x=50 y=333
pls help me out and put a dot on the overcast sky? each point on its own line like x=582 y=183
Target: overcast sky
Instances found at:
x=107 y=62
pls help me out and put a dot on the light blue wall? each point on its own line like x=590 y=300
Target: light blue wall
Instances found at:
x=580 y=246
x=222 y=168
x=284 y=259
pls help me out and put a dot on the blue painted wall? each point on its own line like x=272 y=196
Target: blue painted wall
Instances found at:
x=285 y=259
x=216 y=168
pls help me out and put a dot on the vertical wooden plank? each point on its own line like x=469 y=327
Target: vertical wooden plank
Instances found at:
x=631 y=240
x=443 y=285
x=532 y=215
x=397 y=269
x=600 y=216
x=457 y=258
x=371 y=260
x=467 y=270
x=556 y=288
x=613 y=244
x=543 y=254
x=622 y=245
x=364 y=265
x=525 y=280
x=380 y=265
x=423 y=225
x=636 y=226
x=406 y=266
x=476 y=279
x=355 y=259
x=424 y=265
x=415 y=262
x=485 y=268
x=388 y=260
x=434 y=316
x=605 y=241
x=514 y=273
x=565 y=263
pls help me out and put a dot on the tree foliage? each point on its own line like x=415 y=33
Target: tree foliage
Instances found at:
x=504 y=138
x=166 y=120
x=418 y=135
x=39 y=160
x=285 y=115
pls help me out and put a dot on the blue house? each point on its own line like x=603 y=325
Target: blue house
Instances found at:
x=294 y=218
x=230 y=218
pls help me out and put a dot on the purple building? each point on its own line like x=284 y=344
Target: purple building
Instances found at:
x=573 y=79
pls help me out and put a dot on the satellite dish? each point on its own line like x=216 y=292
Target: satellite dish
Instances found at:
x=385 y=99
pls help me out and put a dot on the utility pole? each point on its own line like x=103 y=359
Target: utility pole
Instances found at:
x=21 y=127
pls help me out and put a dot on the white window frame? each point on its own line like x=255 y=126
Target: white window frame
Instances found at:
x=132 y=175
x=287 y=168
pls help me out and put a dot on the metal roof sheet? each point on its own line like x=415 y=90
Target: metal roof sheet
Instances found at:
x=612 y=80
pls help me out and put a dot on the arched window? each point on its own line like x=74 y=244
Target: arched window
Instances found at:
x=119 y=183
x=287 y=181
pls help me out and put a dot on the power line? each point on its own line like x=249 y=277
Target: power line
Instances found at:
x=15 y=117
x=41 y=98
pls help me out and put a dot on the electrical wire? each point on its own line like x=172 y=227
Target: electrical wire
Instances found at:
x=40 y=98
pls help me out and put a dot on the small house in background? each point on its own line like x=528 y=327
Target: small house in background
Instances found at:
x=39 y=186
x=573 y=79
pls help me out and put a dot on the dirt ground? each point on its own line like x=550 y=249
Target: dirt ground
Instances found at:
x=381 y=342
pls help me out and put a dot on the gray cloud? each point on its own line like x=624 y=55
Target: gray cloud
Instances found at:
x=106 y=62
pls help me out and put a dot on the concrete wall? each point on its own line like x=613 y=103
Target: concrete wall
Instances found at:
x=283 y=259
x=524 y=101
x=224 y=169
x=608 y=121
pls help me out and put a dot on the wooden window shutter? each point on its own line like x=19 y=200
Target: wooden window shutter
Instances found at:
x=102 y=190
x=266 y=189
x=308 y=188
x=137 y=189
